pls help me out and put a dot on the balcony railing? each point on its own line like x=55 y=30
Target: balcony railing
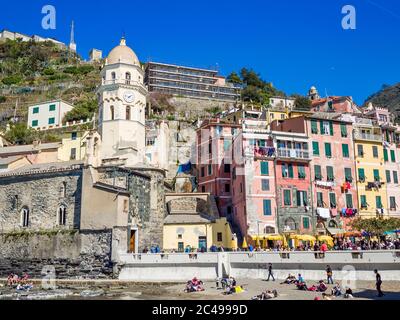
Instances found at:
x=293 y=154
x=368 y=136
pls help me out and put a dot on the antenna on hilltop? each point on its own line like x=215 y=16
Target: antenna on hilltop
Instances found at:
x=72 y=44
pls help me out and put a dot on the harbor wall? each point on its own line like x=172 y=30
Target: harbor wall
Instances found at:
x=347 y=266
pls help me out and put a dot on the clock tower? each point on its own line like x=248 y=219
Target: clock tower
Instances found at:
x=122 y=102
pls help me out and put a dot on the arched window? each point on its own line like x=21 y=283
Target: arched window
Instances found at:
x=62 y=216
x=128 y=78
x=112 y=112
x=128 y=113
x=269 y=230
x=25 y=217
x=290 y=224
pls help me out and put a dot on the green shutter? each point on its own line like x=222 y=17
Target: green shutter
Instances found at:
x=328 y=150
x=385 y=155
x=330 y=175
x=291 y=171
x=331 y=128
x=314 y=127
x=349 y=201
x=343 y=130
x=376 y=175
x=321 y=123
x=361 y=175
x=286 y=198
x=262 y=143
x=363 y=201
x=306 y=223
x=320 y=199
x=332 y=200
x=395 y=177
x=376 y=152
x=52 y=107
x=379 y=202
x=267 y=208
x=302 y=172
x=36 y=110
x=315 y=148
x=388 y=176
x=348 y=175
x=393 y=155
x=318 y=175
x=264 y=168
x=345 y=149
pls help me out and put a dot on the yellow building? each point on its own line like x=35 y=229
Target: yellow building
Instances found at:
x=276 y=114
x=73 y=146
x=196 y=231
x=370 y=167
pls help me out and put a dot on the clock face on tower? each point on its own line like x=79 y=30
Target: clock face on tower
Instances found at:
x=129 y=96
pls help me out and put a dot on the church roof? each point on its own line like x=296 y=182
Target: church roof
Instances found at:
x=123 y=54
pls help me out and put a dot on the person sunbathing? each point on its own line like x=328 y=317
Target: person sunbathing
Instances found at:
x=289 y=280
x=322 y=287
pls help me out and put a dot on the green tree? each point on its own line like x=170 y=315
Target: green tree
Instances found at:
x=376 y=226
x=301 y=102
x=234 y=78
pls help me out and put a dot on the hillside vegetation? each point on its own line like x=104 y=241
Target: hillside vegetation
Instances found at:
x=388 y=96
x=32 y=72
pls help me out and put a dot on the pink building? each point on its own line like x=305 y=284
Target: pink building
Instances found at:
x=253 y=180
x=333 y=171
x=214 y=159
x=293 y=177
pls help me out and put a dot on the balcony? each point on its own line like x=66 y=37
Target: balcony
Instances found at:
x=293 y=154
x=367 y=136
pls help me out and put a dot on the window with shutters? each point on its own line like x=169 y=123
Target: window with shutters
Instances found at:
x=393 y=205
x=315 y=145
x=267 y=208
x=314 y=127
x=290 y=171
x=363 y=200
x=343 y=130
x=345 y=149
x=306 y=223
x=388 y=176
x=332 y=200
x=360 y=150
x=329 y=174
x=301 y=199
x=377 y=177
x=349 y=201
x=302 y=171
x=395 y=177
x=320 y=200
x=393 y=155
x=328 y=150
x=287 y=198
x=361 y=175
x=385 y=155
x=375 y=152
x=264 y=168
x=318 y=174
x=378 y=201
x=348 y=175
x=265 y=185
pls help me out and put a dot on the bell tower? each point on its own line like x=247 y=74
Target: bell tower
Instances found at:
x=122 y=101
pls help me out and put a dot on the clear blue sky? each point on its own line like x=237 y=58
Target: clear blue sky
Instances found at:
x=292 y=43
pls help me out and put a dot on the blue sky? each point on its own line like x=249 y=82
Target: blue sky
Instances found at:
x=292 y=43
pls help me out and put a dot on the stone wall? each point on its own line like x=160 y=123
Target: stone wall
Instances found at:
x=73 y=254
x=43 y=194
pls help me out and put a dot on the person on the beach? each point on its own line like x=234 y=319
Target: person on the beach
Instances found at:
x=378 y=283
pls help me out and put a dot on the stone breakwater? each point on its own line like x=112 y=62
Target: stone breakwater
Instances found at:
x=68 y=254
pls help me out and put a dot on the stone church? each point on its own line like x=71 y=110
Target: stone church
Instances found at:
x=80 y=215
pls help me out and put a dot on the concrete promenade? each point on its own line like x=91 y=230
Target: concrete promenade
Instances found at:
x=346 y=265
